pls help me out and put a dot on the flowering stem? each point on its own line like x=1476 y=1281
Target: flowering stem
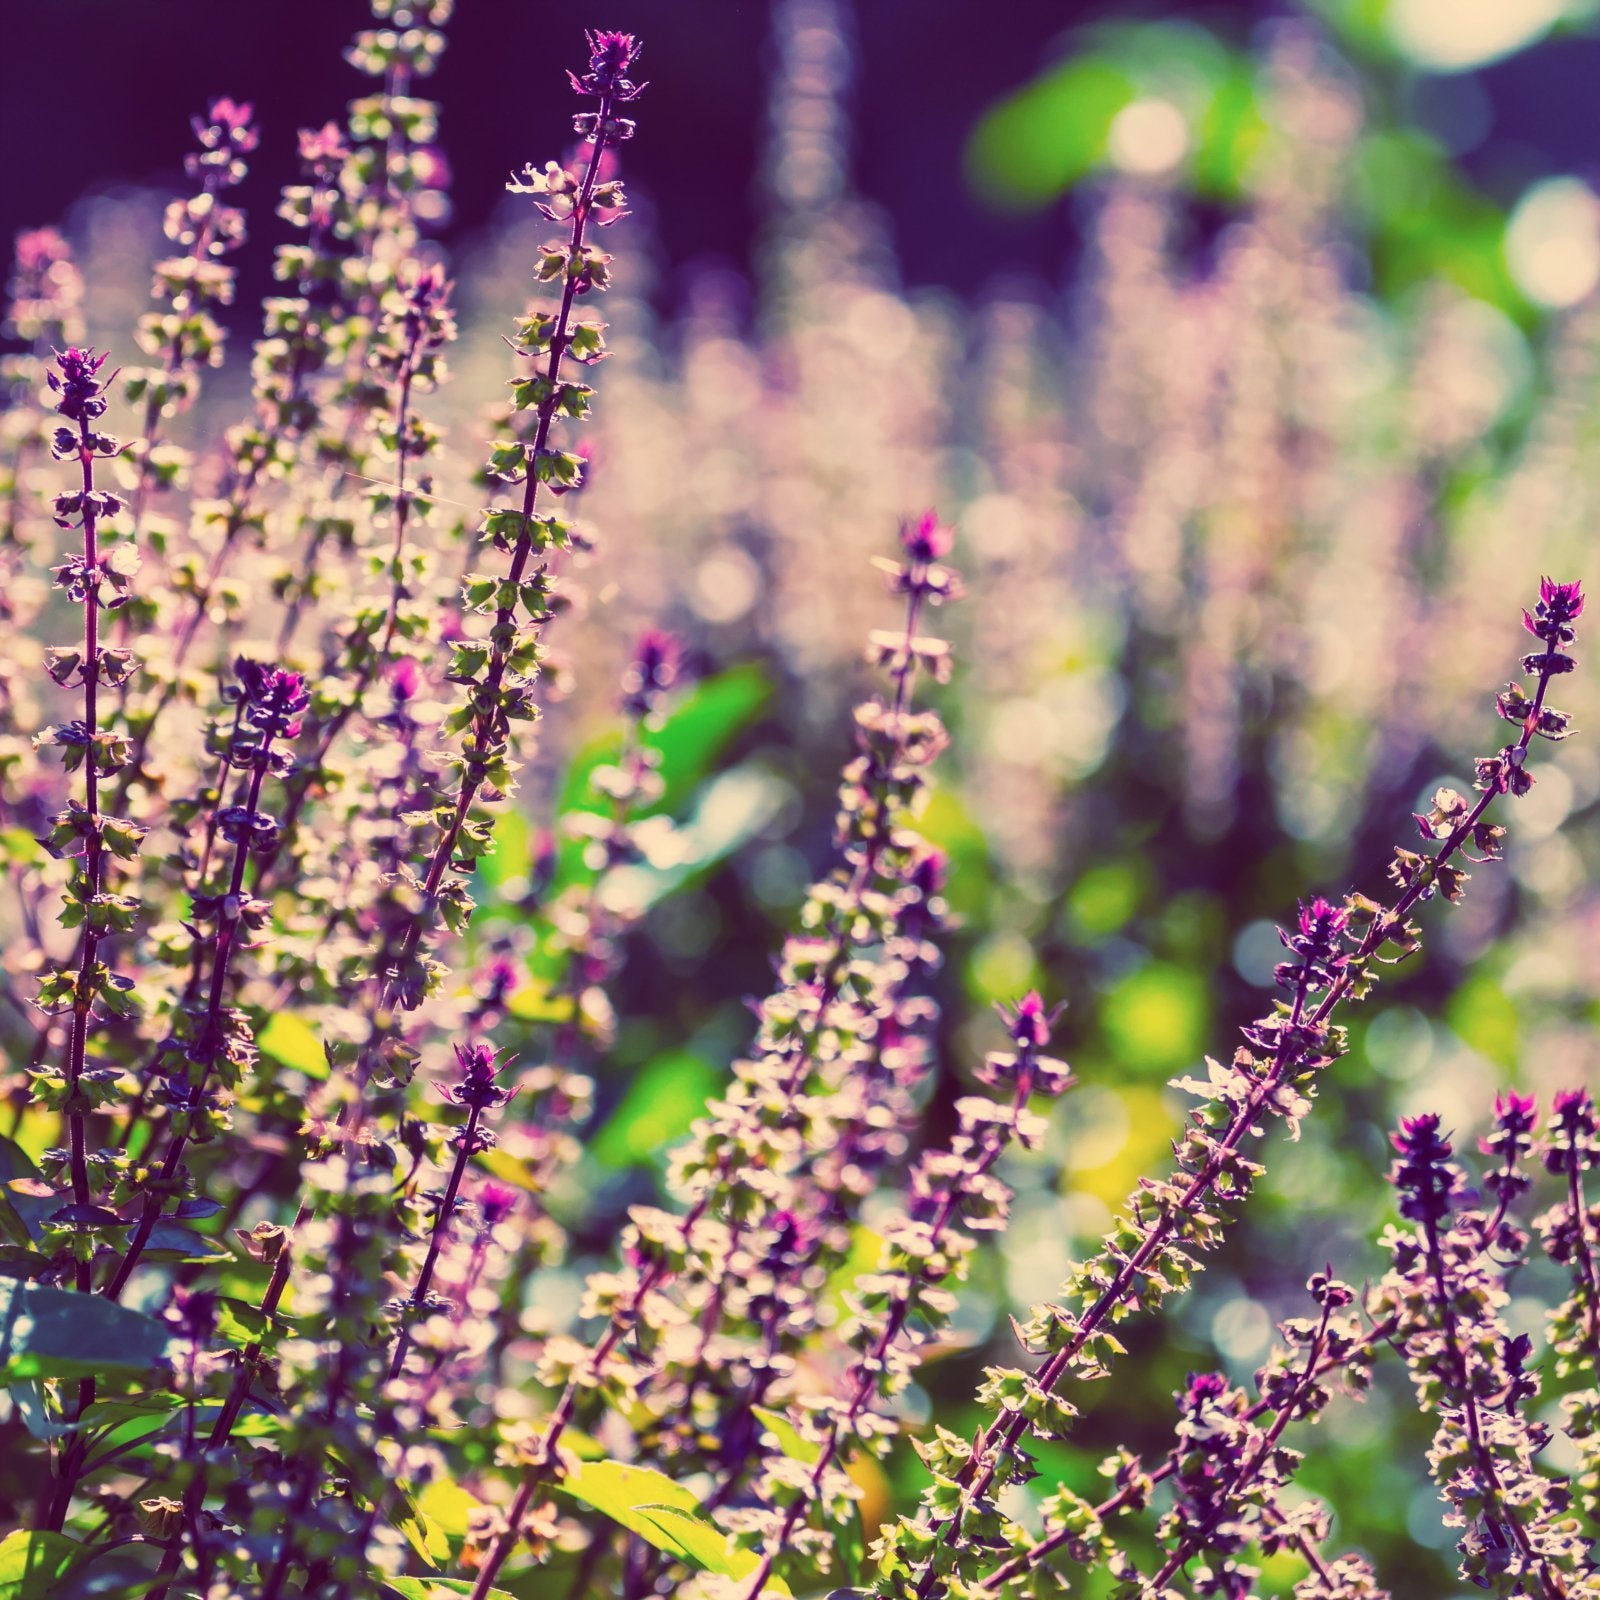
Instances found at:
x=93 y=861
x=1001 y=1435
x=441 y=1218
x=273 y=698
x=803 y=1048
x=1326 y=1362
x=992 y=1142
x=1195 y=1538
x=484 y=728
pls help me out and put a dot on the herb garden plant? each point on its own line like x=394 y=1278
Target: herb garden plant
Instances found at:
x=321 y=1274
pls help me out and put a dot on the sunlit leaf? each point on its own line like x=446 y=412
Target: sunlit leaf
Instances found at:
x=288 y=1039
x=32 y=1565
x=662 y=1099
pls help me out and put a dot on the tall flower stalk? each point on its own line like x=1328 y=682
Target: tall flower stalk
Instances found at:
x=97 y=579
x=1152 y=1250
x=500 y=670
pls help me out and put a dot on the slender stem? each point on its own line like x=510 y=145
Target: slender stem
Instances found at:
x=92 y=857
x=1194 y=1538
x=489 y=719
x=244 y=1375
x=1124 y=1498
x=210 y=1038
x=1500 y=1524
x=441 y=1219
x=74 y=1451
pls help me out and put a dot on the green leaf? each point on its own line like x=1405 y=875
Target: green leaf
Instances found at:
x=422 y=1533
x=683 y=1534
x=448 y=1505
x=171 y=1241
x=663 y=1513
x=289 y=1041
x=790 y=1440
x=57 y=1333
x=1157 y=1018
x=12 y=1226
x=702 y=726
x=1041 y=140
x=436 y=1589
x=689 y=741
x=663 y=1098
x=19 y=847
x=32 y=1565
x=730 y=811
x=513 y=845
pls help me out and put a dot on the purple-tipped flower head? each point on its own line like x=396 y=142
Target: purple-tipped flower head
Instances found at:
x=229 y=126
x=405 y=678
x=611 y=57
x=1515 y=1113
x=1574 y=1132
x=927 y=539
x=1560 y=605
x=1202 y=1389
x=476 y=1086
x=1514 y=1118
x=46 y=289
x=273 y=697
x=1316 y=942
x=657 y=661
x=496 y=1201
x=1425 y=1175
x=323 y=149
x=1029 y=1022
x=77 y=381
x=495 y=981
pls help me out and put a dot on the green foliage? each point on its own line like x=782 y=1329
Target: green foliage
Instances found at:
x=33 y=1566
x=55 y=1333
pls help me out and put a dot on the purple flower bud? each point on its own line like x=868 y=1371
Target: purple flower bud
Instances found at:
x=76 y=380
x=1029 y=1022
x=1515 y=1113
x=656 y=664
x=496 y=1201
x=1560 y=605
x=405 y=678
x=273 y=697
x=1573 y=1128
x=496 y=980
x=230 y=124
x=323 y=149
x=611 y=55
x=476 y=1086
x=926 y=539
x=1425 y=1176
x=1201 y=1390
x=38 y=250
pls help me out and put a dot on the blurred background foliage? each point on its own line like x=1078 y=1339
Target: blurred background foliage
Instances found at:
x=1263 y=391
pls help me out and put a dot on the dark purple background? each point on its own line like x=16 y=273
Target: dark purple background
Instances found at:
x=95 y=92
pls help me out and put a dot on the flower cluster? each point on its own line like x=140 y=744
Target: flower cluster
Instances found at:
x=1447 y=1293
x=1154 y=1248
x=184 y=337
x=310 y=1281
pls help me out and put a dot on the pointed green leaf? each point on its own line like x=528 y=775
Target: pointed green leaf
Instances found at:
x=288 y=1040
x=436 y=1589
x=32 y=1565
x=663 y=1513
x=57 y=1333
x=790 y=1440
